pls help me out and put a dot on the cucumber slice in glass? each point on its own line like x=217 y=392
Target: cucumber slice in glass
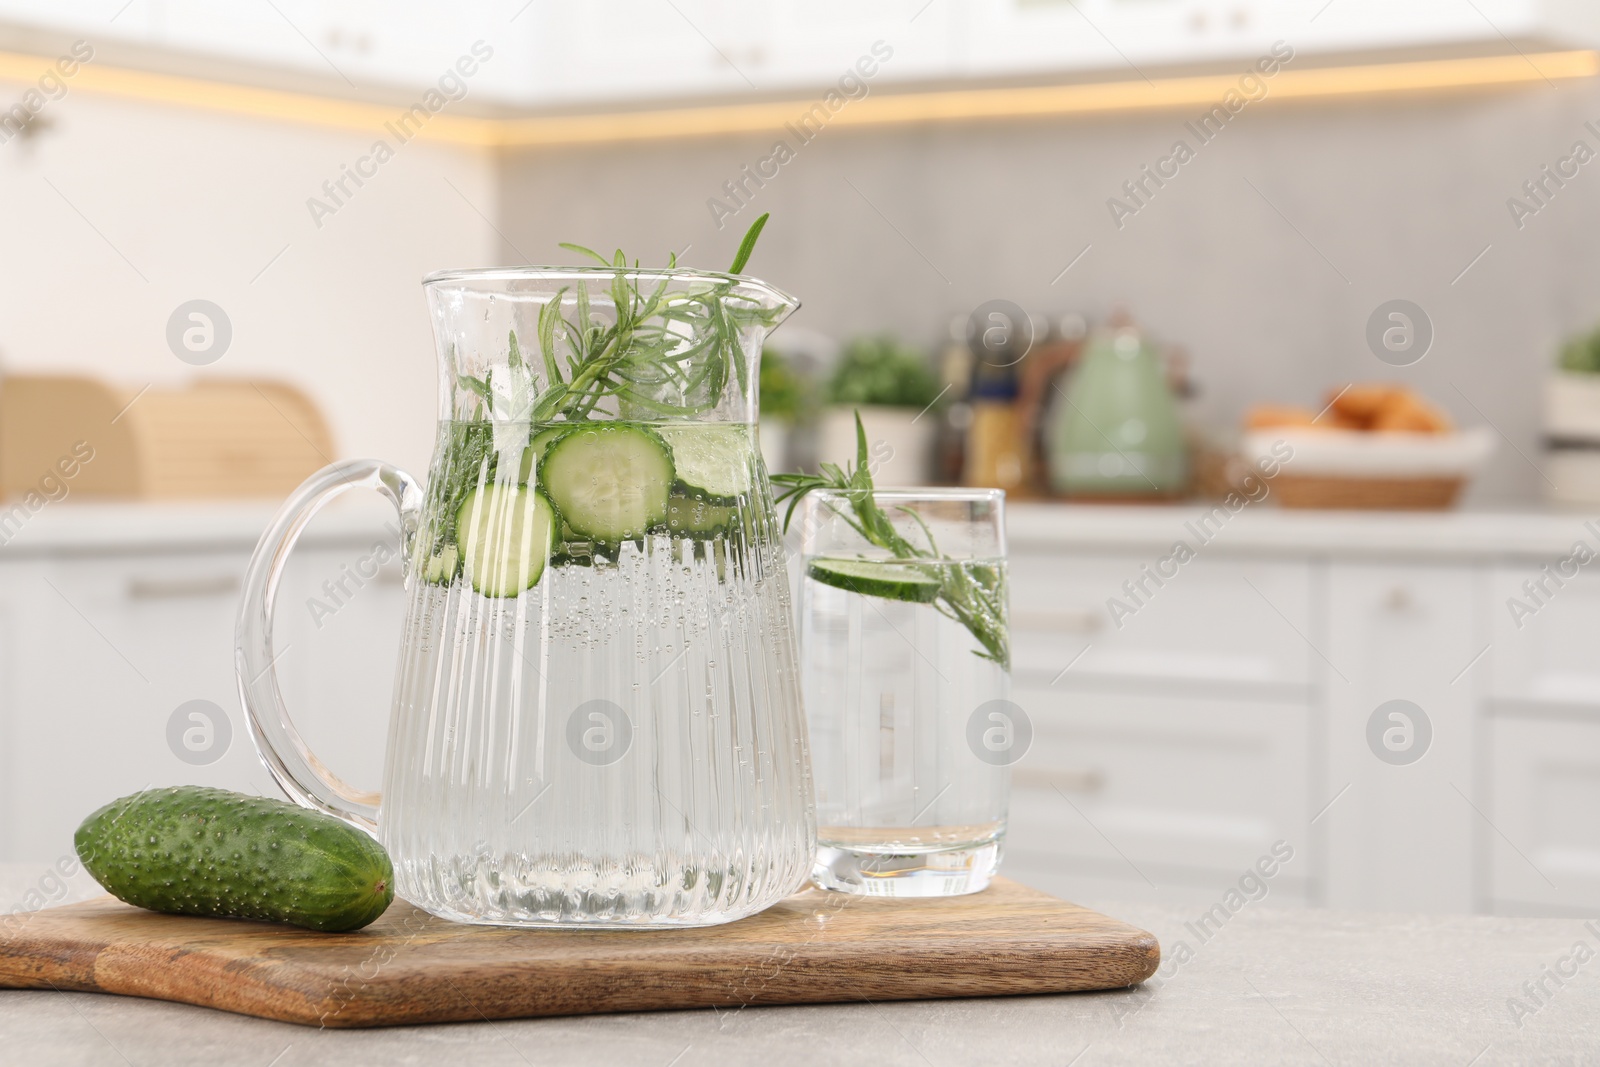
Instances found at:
x=609 y=480
x=506 y=535
x=712 y=460
x=535 y=450
x=891 y=581
x=441 y=567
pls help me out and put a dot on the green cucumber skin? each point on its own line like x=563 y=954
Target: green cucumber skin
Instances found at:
x=193 y=850
x=911 y=588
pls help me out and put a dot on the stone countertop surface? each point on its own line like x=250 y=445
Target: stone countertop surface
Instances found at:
x=77 y=527
x=1270 y=986
x=1263 y=528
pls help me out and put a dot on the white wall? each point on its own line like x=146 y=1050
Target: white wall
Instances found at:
x=199 y=204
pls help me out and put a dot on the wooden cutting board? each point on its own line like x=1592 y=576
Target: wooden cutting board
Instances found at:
x=410 y=967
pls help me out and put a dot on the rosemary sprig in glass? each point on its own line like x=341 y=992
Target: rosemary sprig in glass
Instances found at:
x=969 y=593
x=642 y=358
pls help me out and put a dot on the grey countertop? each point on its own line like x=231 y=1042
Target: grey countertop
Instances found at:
x=1267 y=529
x=1272 y=986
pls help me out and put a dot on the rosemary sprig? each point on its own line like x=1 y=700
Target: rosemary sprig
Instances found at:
x=644 y=359
x=748 y=245
x=970 y=593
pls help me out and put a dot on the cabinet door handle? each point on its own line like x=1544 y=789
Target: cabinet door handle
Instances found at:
x=1081 y=780
x=182 y=588
x=1072 y=622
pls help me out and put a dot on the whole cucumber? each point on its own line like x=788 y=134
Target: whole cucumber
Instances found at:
x=192 y=850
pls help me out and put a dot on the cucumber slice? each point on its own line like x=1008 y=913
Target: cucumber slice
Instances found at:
x=713 y=460
x=891 y=581
x=609 y=480
x=506 y=533
x=697 y=518
x=441 y=567
x=535 y=450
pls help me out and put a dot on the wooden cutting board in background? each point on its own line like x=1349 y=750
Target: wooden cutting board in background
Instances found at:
x=213 y=439
x=410 y=967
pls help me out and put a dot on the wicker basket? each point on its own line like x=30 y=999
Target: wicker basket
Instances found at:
x=1388 y=494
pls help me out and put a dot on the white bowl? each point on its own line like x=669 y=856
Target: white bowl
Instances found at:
x=1359 y=454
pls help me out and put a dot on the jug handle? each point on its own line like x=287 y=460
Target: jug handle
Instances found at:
x=297 y=769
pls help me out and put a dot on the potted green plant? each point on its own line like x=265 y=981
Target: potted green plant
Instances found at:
x=783 y=401
x=1572 y=422
x=892 y=385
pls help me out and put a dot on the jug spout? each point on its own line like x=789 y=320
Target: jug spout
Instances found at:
x=553 y=344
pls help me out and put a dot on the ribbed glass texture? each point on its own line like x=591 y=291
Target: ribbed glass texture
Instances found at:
x=620 y=744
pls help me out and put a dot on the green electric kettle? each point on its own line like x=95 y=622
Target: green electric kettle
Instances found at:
x=1116 y=433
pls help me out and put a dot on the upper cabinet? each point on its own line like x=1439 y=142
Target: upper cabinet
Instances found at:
x=554 y=53
x=1140 y=37
x=360 y=44
x=639 y=50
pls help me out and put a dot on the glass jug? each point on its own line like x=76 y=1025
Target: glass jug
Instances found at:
x=596 y=719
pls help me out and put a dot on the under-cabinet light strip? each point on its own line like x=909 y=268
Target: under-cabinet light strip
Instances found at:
x=882 y=109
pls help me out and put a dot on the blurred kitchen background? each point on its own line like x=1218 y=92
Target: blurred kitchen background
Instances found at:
x=1306 y=286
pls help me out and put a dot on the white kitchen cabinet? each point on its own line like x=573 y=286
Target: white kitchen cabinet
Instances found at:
x=1212 y=704
x=1214 y=622
x=1544 y=648
x=1134 y=37
x=1544 y=842
x=618 y=52
x=629 y=50
x=1009 y=36
x=813 y=42
x=1355 y=25
x=111 y=620
x=102 y=651
x=406 y=44
x=1171 y=796
x=1542 y=830
x=1400 y=835
x=545 y=53
x=1230 y=712
x=624 y=49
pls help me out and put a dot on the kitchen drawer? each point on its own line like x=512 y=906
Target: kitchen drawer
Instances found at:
x=1184 y=792
x=1215 y=621
x=1544 y=845
x=1549 y=654
x=103 y=651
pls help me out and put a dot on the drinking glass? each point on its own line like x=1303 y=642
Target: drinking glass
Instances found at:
x=905 y=667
